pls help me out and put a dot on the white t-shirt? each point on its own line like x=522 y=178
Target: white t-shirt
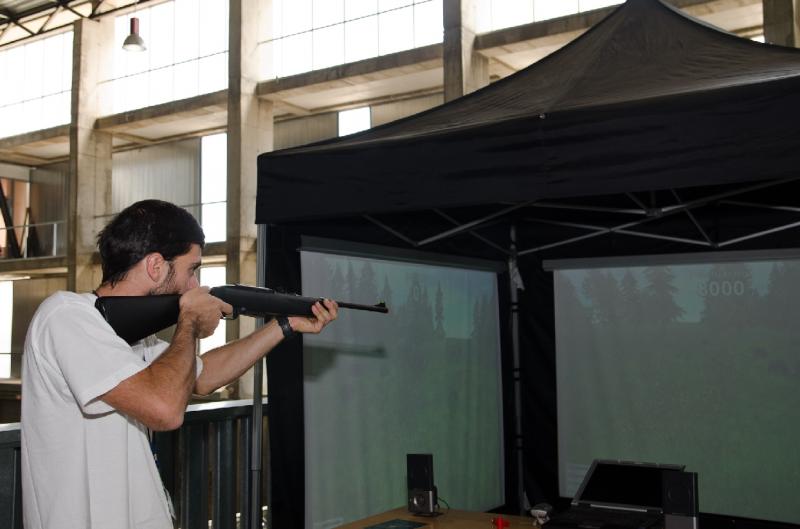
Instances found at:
x=83 y=463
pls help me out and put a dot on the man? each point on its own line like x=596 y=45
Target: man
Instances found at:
x=88 y=398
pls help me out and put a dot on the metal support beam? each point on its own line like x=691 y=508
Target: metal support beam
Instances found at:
x=759 y=234
x=576 y=207
x=391 y=230
x=474 y=224
x=474 y=234
x=636 y=201
x=793 y=209
x=693 y=219
x=8 y=220
x=603 y=230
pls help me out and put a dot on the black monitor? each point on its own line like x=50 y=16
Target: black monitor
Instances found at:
x=624 y=484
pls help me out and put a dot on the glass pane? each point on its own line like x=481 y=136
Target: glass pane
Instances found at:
x=5 y=122
x=588 y=5
x=120 y=56
x=213 y=26
x=296 y=16
x=212 y=73
x=396 y=30
x=328 y=12
x=212 y=276
x=5 y=365
x=328 y=46
x=361 y=39
x=120 y=90
x=214 y=222
x=32 y=110
x=296 y=54
x=508 y=13
x=213 y=168
x=267 y=57
x=187 y=21
x=355 y=120
x=3 y=75
x=186 y=80
x=359 y=8
x=483 y=16
x=6 y=314
x=52 y=82
x=546 y=9
x=50 y=111
x=386 y=5
x=428 y=25
x=34 y=66
x=161 y=86
x=161 y=43
x=277 y=20
x=67 y=60
x=15 y=64
x=139 y=87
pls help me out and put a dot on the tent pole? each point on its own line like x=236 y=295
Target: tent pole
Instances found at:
x=258 y=416
x=513 y=278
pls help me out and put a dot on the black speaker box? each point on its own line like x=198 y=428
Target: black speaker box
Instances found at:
x=680 y=500
x=422 y=498
x=680 y=493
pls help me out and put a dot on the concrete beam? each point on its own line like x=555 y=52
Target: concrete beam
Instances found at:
x=394 y=64
x=250 y=133
x=464 y=69
x=165 y=112
x=89 y=180
x=34 y=265
x=782 y=22
x=37 y=136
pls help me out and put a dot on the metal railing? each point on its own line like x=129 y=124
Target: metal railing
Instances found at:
x=44 y=239
x=205 y=467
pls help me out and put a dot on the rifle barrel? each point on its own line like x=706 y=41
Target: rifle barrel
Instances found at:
x=380 y=307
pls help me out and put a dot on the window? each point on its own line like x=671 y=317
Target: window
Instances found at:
x=355 y=120
x=499 y=14
x=187 y=53
x=312 y=34
x=214 y=186
x=6 y=311
x=212 y=276
x=33 y=100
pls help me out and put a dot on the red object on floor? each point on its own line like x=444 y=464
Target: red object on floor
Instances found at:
x=499 y=522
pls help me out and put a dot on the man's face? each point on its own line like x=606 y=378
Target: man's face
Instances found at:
x=182 y=274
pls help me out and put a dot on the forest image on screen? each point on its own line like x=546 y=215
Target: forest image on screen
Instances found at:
x=685 y=364
x=423 y=379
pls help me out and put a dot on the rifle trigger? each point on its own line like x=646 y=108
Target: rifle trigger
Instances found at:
x=232 y=316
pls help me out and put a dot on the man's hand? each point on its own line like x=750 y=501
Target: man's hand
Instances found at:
x=323 y=315
x=202 y=311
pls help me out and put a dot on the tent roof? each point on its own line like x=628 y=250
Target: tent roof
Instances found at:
x=649 y=98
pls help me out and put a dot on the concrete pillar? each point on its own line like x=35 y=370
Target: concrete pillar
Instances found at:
x=89 y=180
x=782 y=22
x=464 y=70
x=250 y=133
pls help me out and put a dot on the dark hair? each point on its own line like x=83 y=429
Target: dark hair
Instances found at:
x=145 y=227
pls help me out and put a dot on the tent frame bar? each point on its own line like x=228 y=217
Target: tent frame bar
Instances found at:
x=651 y=213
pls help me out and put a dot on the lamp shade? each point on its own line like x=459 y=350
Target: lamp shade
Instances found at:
x=134 y=42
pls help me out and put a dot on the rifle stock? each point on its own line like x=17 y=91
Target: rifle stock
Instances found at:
x=136 y=317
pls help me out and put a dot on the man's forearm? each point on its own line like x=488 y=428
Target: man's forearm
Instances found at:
x=175 y=370
x=158 y=394
x=223 y=365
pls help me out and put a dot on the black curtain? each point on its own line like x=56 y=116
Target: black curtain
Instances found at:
x=538 y=383
x=285 y=375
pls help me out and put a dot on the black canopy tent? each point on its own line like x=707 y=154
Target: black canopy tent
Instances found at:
x=651 y=133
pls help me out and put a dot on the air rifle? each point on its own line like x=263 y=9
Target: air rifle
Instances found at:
x=135 y=317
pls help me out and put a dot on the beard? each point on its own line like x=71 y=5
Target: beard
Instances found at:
x=167 y=286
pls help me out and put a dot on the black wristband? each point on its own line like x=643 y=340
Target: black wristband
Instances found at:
x=283 y=323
